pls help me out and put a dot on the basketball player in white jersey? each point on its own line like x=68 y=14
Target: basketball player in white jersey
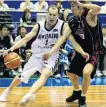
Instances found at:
x=46 y=34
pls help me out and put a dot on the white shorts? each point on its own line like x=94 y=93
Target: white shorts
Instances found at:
x=36 y=64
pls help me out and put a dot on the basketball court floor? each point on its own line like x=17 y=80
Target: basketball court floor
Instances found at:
x=54 y=93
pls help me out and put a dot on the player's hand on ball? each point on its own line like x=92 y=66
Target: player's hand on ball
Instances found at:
x=46 y=56
x=7 y=51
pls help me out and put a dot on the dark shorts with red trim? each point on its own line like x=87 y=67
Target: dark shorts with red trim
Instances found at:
x=78 y=63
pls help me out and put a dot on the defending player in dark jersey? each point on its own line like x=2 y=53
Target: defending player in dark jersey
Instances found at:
x=87 y=32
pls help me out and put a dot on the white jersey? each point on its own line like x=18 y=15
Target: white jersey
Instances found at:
x=46 y=39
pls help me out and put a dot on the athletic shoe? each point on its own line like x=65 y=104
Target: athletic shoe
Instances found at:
x=104 y=73
x=75 y=96
x=27 y=98
x=98 y=73
x=4 y=95
x=82 y=102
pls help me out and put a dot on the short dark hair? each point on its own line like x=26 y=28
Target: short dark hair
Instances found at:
x=4 y=26
x=58 y=2
x=53 y=6
x=27 y=10
x=21 y=27
x=84 y=2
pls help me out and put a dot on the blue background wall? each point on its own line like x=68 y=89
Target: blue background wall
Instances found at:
x=53 y=82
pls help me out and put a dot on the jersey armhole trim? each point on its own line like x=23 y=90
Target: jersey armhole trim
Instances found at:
x=62 y=28
x=38 y=30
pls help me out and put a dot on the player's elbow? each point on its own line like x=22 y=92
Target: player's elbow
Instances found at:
x=64 y=39
x=97 y=10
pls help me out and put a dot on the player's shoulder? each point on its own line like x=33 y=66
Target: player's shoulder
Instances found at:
x=73 y=20
x=60 y=21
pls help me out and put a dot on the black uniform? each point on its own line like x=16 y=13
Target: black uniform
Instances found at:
x=5 y=42
x=90 y=39
x=4 y=45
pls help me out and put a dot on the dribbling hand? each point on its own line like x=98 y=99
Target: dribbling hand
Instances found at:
x=7 y=51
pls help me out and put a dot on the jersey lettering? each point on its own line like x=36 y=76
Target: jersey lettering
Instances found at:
x=47 y=36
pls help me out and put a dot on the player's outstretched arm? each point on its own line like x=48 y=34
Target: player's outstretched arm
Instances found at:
x=78 y=48
x=94 y=9
x=23 y=40
x=28 y=37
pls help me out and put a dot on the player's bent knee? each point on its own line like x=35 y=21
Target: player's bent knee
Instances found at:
x=86 y=73
x=46 y=73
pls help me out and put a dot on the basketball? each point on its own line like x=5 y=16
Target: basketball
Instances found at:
x=12 y=60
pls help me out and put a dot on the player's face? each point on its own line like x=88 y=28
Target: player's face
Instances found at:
x=52 y=16
x=75 y=10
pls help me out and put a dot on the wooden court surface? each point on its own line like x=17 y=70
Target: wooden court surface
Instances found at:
x=55 y=97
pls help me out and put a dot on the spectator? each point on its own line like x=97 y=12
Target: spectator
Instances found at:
x=41 y=5
x=4 y=44
x=27 y=5
x=59 y=5
x=23 y=51
x=104 y=43
x=3 y=5
x=4 y=37
x=64 y=15
x=22 y=32
x=103 y=8
x=26 y=17
x=9 y=33
x=101 y=71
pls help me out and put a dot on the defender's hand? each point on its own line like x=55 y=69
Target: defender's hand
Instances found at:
x=76 y=2
x=46 y=56
x=86 y=56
